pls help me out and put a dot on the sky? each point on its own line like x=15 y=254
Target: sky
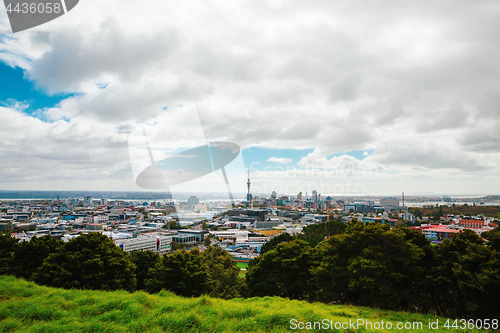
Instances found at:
x=342 y=97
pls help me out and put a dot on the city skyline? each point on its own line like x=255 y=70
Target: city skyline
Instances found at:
x=405 y=99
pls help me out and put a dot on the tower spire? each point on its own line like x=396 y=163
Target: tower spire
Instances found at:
x=249 y=196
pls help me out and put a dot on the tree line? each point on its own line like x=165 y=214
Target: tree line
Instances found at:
x=467 y=210
x=376 y=266
x=93 y=261
x=360 y=264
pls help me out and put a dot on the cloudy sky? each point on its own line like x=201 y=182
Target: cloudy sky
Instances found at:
x=345 y=97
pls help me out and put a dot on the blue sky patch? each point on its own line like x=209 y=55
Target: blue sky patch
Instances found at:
x=262 y=154
x=14 y=87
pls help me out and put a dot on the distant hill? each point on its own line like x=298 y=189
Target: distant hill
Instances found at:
x=491 y=197
x=27 y=307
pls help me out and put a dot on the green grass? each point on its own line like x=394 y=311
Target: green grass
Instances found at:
x=27 y=307
x=242 y=265
x=243 y=268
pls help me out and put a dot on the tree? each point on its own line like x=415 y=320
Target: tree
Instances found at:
x=8 y=248
x=30 y=255
x=466 y=277
x=315 y=233
x=174 y=225
x=420 y=289
x=182 y=272
x=281 y=238
x=144 y=262
x=493 y=237
x=207 y=241
x=283 y=271
x=174 y=246
x=90 y=261
x=417 y=212
x=369 y=265
x=223 y=272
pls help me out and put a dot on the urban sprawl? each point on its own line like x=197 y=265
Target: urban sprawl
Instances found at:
x=239 y=227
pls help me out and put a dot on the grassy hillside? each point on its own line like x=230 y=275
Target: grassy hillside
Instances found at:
x=27 y=307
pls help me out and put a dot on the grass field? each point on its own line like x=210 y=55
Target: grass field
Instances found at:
x=27 y=307
x=242 y=265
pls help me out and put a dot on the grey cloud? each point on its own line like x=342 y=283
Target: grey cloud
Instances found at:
x=89 y=53
x=484 y=139
x=450 y=118
x=60 y=150
x=330 y=75
x=432 y=155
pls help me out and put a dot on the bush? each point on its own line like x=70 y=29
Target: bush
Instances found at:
x=90 y=261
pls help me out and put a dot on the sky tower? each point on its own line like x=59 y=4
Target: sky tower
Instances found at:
x=249 y=196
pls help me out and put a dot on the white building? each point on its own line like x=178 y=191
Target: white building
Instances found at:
x=104 y=218
x=240 y=235
x=155 y=243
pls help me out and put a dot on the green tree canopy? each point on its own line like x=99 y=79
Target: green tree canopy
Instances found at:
x=283 y=271
x=8 y=248
x=144 y=262
x=182 y=272
x=30 y=255
x=316 y=233
x=223 y=271
x=281 y=238
x=207 y=240
x=467 y=277
x=370 y=265
x=90 y=261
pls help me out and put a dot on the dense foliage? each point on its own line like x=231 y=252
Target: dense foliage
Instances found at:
x=284 y=271
x=144 y=262
x=370 y=265
x=29 y=256
x=224 y=273
x=182 y=272
x=466 y=210
x=91 y=261
x=374 y=265
x=316 y=233
x=8 y=248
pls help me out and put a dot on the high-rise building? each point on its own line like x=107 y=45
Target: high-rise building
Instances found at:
x=299 y=196
x=87 y=200
x=193 y=201
x=389 y=202
x=104 y=202
x=315 y=195
x=273 y=194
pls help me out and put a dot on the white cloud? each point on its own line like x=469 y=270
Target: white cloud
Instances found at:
x=416 y=83
x=280 y=160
